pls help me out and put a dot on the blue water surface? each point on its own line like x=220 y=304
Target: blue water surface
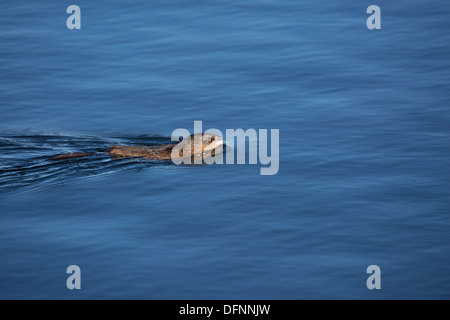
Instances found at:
x=364 y=150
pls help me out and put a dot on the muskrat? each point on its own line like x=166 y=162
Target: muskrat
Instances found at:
x=196 y=146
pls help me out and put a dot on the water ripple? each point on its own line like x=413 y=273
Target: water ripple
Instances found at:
x=24 y=157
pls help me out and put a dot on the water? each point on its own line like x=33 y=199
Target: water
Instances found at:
x=363 y=118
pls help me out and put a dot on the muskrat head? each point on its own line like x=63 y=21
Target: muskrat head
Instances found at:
x=206 y=142
x=199 y=145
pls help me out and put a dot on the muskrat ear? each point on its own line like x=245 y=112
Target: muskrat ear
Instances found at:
x=208 y=138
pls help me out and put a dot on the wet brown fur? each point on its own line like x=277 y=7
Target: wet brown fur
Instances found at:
x=157 y=152
x=163 y=152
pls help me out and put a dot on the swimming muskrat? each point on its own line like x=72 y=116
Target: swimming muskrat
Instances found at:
x=194 y=146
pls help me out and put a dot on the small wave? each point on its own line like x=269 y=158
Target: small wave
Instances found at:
x=24 y=156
